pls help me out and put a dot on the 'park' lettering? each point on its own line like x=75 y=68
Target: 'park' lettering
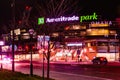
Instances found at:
x=89 y=17
x=67 y=19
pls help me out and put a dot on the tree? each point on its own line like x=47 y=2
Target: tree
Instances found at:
x=55 y=8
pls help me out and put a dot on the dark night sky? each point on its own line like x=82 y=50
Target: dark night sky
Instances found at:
x=105 y=9
x=6 y=9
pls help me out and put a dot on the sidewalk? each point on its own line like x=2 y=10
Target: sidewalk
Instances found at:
x=70 y=62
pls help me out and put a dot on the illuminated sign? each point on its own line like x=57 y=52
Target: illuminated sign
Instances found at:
x=97 y=31
x=62 y=19
x=42 y=41
x=89 y=17
x=1 y=43
x=41 y=20
x=94 y=16
x=16 y=32
x=43 y=38
x=99 y=25
x=74 y=44
x=102 y=22
x=59 y=19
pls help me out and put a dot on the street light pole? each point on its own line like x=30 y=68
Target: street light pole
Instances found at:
x=13 y=14
x=43 y=66
x=115 y=46
x=31 y=65
x=31 y=31
x=43 y=57
x=48 y=60
x=1 y=57
x=1 y=44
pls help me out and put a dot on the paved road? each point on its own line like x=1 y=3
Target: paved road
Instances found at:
x=53 y=74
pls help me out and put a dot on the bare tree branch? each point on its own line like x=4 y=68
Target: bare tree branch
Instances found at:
x=55 y=8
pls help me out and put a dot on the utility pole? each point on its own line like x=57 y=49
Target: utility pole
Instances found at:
x=13 y=26
x=115 y=46
x=31 y=32
x=43 y=46
x=48 y=60
x=1 y=44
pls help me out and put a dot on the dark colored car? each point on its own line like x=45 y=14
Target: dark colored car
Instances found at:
x=100 y=60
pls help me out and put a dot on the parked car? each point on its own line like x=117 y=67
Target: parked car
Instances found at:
x=100 y=60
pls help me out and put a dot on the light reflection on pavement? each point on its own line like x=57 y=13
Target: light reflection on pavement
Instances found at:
x=53 y=74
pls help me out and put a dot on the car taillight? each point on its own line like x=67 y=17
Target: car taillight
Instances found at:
x=101 y=59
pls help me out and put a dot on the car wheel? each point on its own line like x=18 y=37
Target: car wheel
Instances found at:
x=104 y=63
x=98 y=62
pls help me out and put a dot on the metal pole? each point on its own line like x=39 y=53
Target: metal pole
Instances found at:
x=43 y=67
x=13 y=7
x=43 y=57
x=1 y=60
x=115 y=46
x=119 y=49
x=31 y=32
x=31 y=65
x=13 y=69
x=48 y=60
x=1 y=44
x=1 y=56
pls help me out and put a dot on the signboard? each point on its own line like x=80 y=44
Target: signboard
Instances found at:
x=16 y=32
x=89 y=17
x=5 y=48
x=1 y=43
x=74 y=44
x=42 y=41
x=100 y=23
x=42 y=20
x=62 y=19
x=15 y=47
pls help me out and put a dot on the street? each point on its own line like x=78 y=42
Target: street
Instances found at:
x=74 y=71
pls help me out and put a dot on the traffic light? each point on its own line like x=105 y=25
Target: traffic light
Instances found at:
x=19 y=22
x=26 y=47
x=33 y=47
x=27 y=8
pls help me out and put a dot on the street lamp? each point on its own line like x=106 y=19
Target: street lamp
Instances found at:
x=115 y=45
x=1 y=44
x=43 y=56
x=31 y=32
x=13 y=15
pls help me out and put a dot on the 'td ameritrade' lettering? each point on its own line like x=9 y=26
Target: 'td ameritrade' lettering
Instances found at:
x=94 y=16
x=62 y=19
x=89 y=17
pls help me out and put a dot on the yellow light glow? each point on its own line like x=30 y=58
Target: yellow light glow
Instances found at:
x=97 y=32
x=99 y=25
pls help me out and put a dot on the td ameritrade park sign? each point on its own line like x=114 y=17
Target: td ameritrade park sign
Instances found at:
x=42 y=20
